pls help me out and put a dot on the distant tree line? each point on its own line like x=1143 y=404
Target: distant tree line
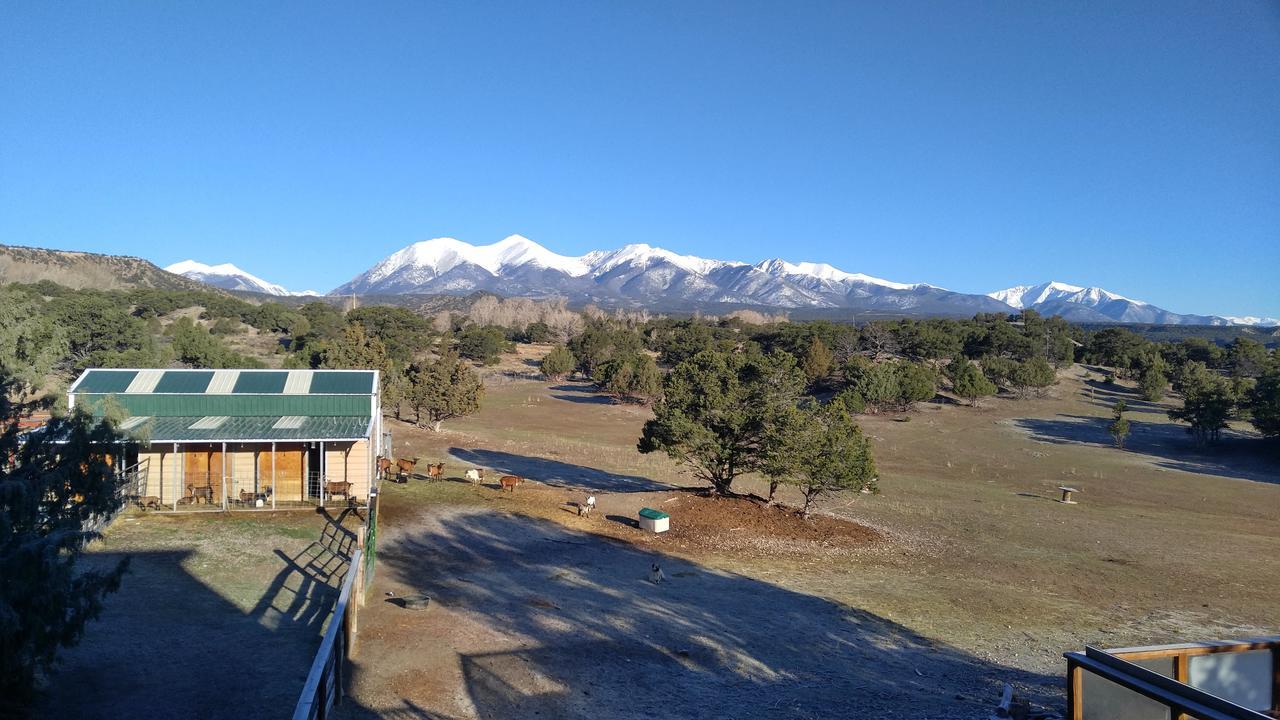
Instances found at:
x=48 y=333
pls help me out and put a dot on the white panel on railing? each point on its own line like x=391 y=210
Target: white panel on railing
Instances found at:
x=1244 y=678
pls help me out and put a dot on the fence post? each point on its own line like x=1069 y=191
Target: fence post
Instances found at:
x=223 y=484
x=1075 y=691
x=361 y=535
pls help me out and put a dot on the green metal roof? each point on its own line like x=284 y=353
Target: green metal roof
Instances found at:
x=243 y=429
x=184 y=382
x=194 y=404
x=105 y=381
x=350 y=383
x=271 y=383
x=223 y=382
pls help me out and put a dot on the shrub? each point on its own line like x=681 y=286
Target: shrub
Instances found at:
x=558 y=363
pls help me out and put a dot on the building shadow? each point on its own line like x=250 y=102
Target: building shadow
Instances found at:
x=1237 y=455
x=170 y=646
x=584 y=634
x=556 y=473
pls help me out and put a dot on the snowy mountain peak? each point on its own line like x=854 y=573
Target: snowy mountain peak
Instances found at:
x=641 y=254
x=229 y=277
x=1253 y=321
x=440 y=255
x=829 y=273
x=1025 y=296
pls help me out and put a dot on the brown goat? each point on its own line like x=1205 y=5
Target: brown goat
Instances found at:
x=339 y=487
x=384 y=466
x=436 y=472
x=200 y=492
x=510 y=481
x=404 y=467
x=148 y=501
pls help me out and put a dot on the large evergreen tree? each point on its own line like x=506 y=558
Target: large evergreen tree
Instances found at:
x=717 y=409
x=52 y=487
x=443 y=389
x=558 y=363
x=1264 y=404
x=828 y=454
x=968 y=381
x=1208 y=402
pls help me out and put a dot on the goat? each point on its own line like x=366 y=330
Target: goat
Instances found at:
x=655 y=574
x=476 y=475
x=147 y=501
x=436 y=472
x=585 y=508
x=248 y=496
x=510 y=481
x=405 y=467
x=384 y=466
x=198 y=492
x=338 y=487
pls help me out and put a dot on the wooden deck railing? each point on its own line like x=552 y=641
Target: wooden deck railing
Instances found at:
x=1173 y=692
x=325 y=685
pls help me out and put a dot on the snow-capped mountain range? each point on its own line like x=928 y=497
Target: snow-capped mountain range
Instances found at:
x=643 y=276
x=230 y=277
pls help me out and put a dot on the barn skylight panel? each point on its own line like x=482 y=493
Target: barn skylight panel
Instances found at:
x=213 y=422
x=289 y=422
x=134 y=422
x=223 y=381
x=145 y=381
x=299 y=382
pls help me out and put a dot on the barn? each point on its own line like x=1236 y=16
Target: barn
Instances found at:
x=224 y=439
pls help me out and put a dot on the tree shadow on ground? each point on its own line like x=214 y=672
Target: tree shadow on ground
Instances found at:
x=1106 y=395
x=583 y=634
x=556 y=473
x=584 y=393
x=170 y=646
x=1238 y=455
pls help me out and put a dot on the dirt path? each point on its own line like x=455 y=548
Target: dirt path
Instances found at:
x=529 y=618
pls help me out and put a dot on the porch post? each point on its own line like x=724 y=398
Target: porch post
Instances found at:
x=224 y=476
x=322 y=473
x=177 y=492
x=273 y=475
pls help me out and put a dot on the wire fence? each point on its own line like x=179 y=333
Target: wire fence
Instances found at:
x=200 y=491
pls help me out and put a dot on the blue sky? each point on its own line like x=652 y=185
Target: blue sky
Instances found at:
x=1132 y=145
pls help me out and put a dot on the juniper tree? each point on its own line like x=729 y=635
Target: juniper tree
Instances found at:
x=828 y=454
x=558 y=363
x=969 y=382
x=1119 y=427
x=52 y=486
x=716 y=412
x=443 y=389
x=1208 y=402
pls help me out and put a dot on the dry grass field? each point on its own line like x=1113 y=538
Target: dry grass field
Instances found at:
x=969 y=573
